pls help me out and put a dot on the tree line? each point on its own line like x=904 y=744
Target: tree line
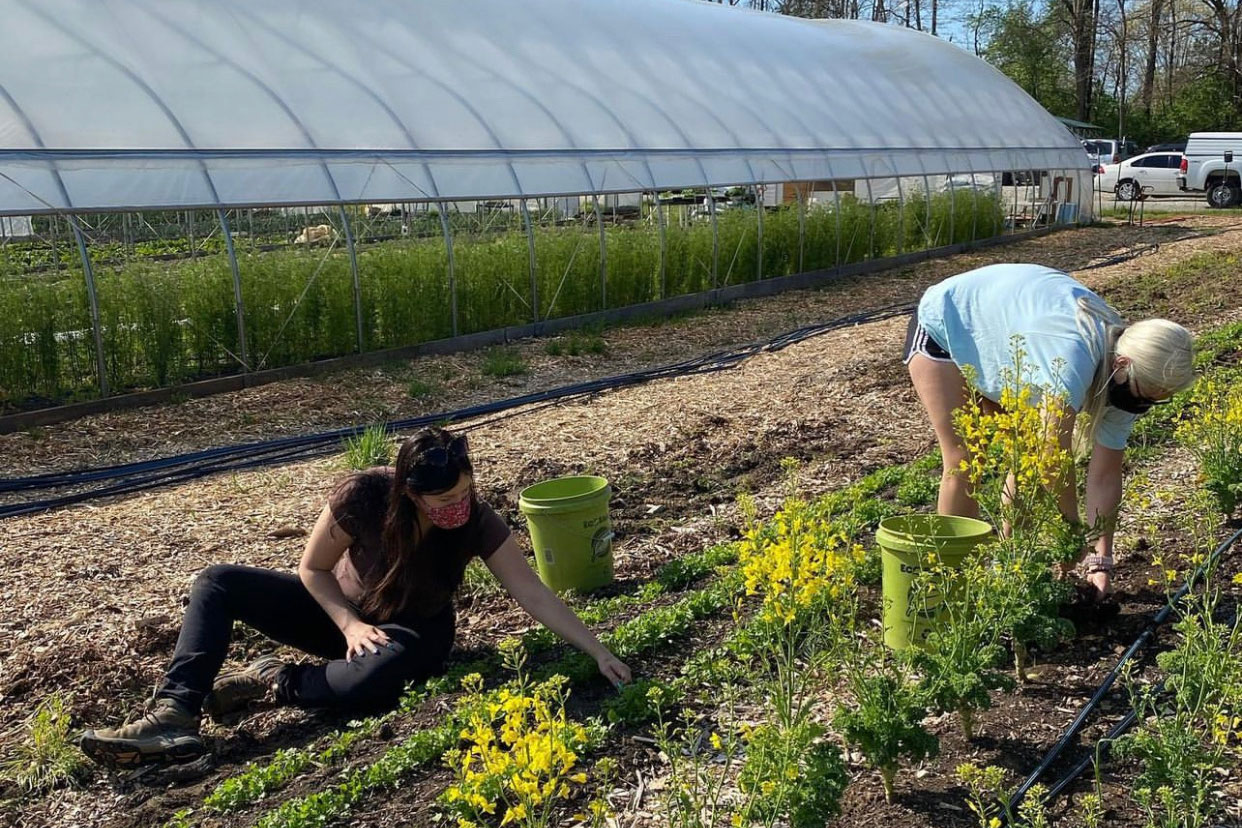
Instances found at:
x=1148 y=70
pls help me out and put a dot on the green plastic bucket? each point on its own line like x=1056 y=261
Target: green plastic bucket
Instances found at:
x=571 y=531
x=906 y=543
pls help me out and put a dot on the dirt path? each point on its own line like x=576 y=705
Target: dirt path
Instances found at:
x=92 y=596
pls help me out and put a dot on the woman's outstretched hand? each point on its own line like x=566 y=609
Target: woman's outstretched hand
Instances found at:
x=361 y=637
x=614 y=670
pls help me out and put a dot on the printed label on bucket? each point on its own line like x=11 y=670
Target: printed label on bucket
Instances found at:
x=601 y=544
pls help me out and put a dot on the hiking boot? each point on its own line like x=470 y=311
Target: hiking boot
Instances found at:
x=168 y=733
x=234 y=691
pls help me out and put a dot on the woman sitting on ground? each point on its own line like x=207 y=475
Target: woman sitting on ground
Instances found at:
x=1072 y=342
x=373 y=595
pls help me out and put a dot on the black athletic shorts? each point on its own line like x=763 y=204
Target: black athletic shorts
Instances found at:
x=919 y=342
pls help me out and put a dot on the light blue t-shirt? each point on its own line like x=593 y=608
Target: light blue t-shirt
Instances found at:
x=975 y=315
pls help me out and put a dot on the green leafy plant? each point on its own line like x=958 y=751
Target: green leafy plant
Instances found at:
x=958 y=660
x=503 y=362
x=639 y=702
x=47 y=757
x=479 y=581
x=791 y=773
x=1213 y=433
x=576 y=344
x=371 y=447
x=418 y=389
x=884 y=722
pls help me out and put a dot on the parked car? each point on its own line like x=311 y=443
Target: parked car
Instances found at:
x=1150 y=174
x=1172 y=146
x=1212 y=164
x=1110 y=150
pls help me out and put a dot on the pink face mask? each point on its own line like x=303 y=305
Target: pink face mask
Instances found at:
x=453 y=516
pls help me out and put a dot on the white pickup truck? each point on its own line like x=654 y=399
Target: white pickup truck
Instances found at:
x=1212 y=163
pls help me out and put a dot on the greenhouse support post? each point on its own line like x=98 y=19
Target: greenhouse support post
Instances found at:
x=239 y=310
x=93 y=299
x=447 y=230
x=1013 y=222
x=871 y=232
x=353 y=271
x=952 y=206
x=603 y=253
x=974 y=206
x=530 y=244
x=711 y=209
x=836 y=198
x=928 y=240
x=660 y=221
x=759 y=238
x=901 y=218
x=801 y=224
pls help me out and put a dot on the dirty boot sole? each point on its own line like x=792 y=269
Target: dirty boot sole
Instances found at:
x=128 y=753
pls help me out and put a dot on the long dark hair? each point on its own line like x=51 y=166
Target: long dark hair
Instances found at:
x=401 y=537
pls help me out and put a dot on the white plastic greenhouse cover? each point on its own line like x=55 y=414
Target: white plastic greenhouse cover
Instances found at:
x=127 y=104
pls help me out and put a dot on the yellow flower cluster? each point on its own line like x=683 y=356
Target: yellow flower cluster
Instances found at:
x=1019 y=440
x=798 y=561
x=1226 y=728
x=520 y=756
x=1214 y=436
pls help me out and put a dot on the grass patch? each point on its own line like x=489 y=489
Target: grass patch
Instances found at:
x=47 y=758
x=1203 y=284
x=479 y=580
x=577 y=344
x=419 y=389
x=371 y=447
x=503 y=362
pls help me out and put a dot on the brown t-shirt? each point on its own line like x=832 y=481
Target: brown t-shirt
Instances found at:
x=359 y=504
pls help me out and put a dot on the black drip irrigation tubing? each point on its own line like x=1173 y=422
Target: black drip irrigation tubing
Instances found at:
x=1145 y=638
x=1124 y=256
x=134 y=477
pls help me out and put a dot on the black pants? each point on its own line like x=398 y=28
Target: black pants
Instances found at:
x=279 y=606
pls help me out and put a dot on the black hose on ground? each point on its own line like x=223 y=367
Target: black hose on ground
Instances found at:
x=1157 y=621
x=149 y=474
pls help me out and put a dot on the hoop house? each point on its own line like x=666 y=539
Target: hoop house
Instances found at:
x=497 y=160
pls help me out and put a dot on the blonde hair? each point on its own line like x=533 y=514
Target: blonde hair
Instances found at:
x=1160 y=354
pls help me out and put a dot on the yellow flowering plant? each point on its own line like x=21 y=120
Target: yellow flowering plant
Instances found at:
x=802 y=566
x=1194 y=726
x=1017 y=464
x=989 y=799
x=798 y=563
x=702 y=757
x=791 y=774
x=1213 y=433
x=520 y=753
x=798 y=570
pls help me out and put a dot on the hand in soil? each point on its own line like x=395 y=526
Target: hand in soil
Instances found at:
x=614 y=670
x=1088 y=606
